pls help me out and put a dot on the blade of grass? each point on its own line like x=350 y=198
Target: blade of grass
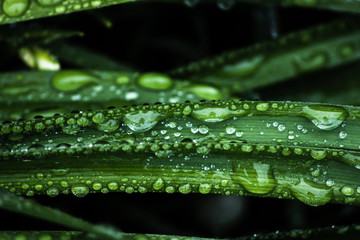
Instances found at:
x=263 y=64
x=271 y=149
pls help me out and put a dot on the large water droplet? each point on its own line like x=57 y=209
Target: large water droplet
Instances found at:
x=158 y=184
x=242 y=68
x=216 y=114
x=71 y=80
x=80 y=190
x=15 y=8
x=311 y=193
x=255 y=177
x=142 y=121
x=155 y=81
x=206 y=92
x=325 y=117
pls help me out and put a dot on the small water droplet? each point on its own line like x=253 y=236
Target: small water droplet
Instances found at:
x=79 y=190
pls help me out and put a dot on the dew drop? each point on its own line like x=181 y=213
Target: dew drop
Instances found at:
x=347 y=191
x=255 y=177
x=230 y=129
x=244 y=67
x=71 y=80
x=216 y=114
x=158 y=184
x=52 y=192
x=155 y=81
x=342 y=135
x=110 y=125
x=318 y=154
x=79 y=190
x=205 y=188
x=311 y=193
x=142 y=121
x=185 y=189
x=170 y=189
x=203 y=129
x=15 y=8
x=262 y=107
x=98 y=118
x=205 y=92
x=325 y=117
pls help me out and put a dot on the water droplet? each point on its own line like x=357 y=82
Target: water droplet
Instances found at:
x=122 y=79
x=205 y=92
x=15 y=8
x=313 y=62
x=243 y=68
x=203 y=129
x=170 y=189
x=347 y=191
x=311 y=193
x=262 y=107
x=52 y=192
x=113 y=186
x=230 y=129
x=131 y=96
x=281 y=127
x=158 y=184
x=255 y=177
x=155 y=81
x=97 y=186
x=205 y=188
x=80 y=190
x=142 y=121
x=318 y=154
x=71 y=80
x=325 y=117
x=98 y=118
x=110 y=125
x=216 y=114
x=225 y=4
x=185 y=189
x=342 y=135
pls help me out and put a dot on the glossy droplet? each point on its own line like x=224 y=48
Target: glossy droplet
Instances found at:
x=79 y=190
x=256 y=178
x=110 y=125
x=347 y=191
x=310 y=63
x=205 y=92
x=262 y=107
x=342 y=135
x=98 y=118
x=185 y=189
x=242 y=68
x=325 y=117
x=49 y=2
x=142 y=121
x=158 y=184
x=15 y=8
x=216 y=114
x=311 y=193
x=71 y=80
x=52 y=192
x=318 y=154
x=155 y=81
x=230 y=129
x=122 y=79
x=205 y=188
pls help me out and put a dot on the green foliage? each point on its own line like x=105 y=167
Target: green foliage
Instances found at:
x=73 y=126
